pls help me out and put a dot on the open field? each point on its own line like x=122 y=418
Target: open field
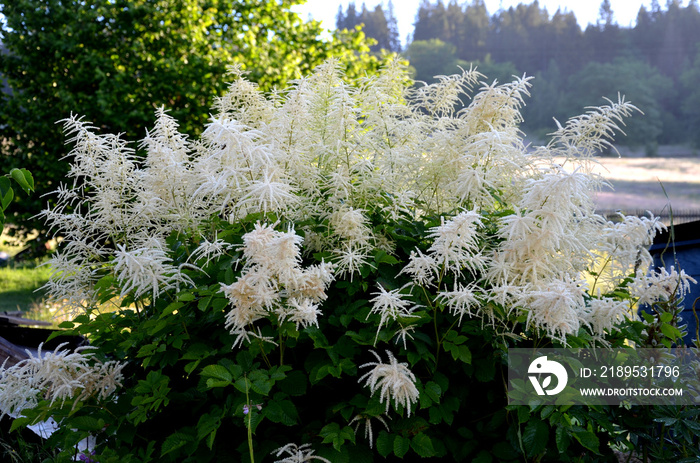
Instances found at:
x=638 y=181
x=18 y=285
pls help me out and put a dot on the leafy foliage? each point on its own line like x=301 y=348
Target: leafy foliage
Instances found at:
x=24 y=180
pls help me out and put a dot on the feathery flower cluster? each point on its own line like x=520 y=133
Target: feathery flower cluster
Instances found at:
x=273 y=282
x=57 y=376
x=390 y=306
x=297 y=454
x=661 y=285
x=367 y=421
x=394 y=380
x=455 y=248
x=517 y=224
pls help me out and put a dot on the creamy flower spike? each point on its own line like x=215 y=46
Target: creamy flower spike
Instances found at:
x=297 y=454
x=394 y=380
x=57 y=376
x=273 y=282
x=338 y=159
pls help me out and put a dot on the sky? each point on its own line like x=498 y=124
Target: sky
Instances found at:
x=586 y=11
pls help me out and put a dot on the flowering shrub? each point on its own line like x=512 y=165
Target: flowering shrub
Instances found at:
x=261 y=269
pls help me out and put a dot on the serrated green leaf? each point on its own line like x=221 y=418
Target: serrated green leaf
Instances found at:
x=28 y=177
x=465 y=354
x=294 y=384
x=422 y=445
x=401 y=446
x=204 y=303
x=384 y=444
x=433 y=390
x=523 y=413
x=186 y=297
x=383 y=258
x=588 y=440
x=281 y=411
x=562 y=439
x=483 y=457
x=670 y=331
x=219 y=303
x=208 y=425
x=535 y=437
x=174 y=442
x=217 y=372
x=86 y=423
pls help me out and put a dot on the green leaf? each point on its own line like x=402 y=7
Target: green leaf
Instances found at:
x=523 y=413
x=260 y=383
x=207 y=426
x=281 y=411
x=465 y=354
x=87 y=423
x=422 y=445
x=24 y=179
x=186 y=297
x=433 y=390
x=670 y=331
x=174 y=442
x=588 y=439
x=294 y=384
x=535 y=437
x=562 y=439
x=666 y=317
x=203 y=303
x=401 y=446
x=333 y=433
x=383 y=258
x=217 y=372
x=483 y=457
x=6 y=192
x=384 y=444
x=20 y=423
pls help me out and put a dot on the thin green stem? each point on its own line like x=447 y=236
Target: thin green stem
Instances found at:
x=250 y=421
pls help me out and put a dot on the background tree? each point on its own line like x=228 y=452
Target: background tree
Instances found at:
x=691 y=103
x=431 y=58
x=376 y=24
x=645 y=86
x=116 y=61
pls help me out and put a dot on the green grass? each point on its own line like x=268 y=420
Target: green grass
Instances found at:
x=18 y=285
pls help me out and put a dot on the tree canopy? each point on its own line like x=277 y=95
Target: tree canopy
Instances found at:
x=377 y=24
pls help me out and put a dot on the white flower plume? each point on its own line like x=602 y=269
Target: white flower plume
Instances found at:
x=394 y=380
x=57 y=376
x=297 y=454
